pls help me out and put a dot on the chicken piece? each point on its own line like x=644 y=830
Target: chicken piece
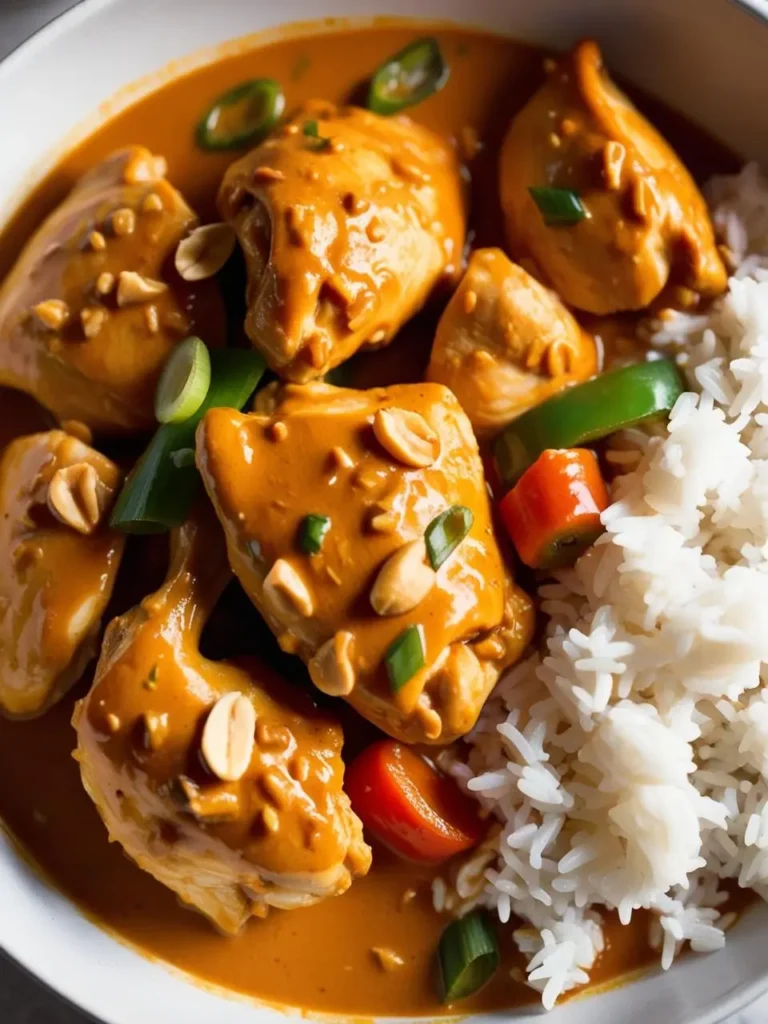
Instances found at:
x=344 y=235
x=381 y=465
x=647 y=223
x=91 y=309
x=505 y=343
x=58 y=563
x=218 y=779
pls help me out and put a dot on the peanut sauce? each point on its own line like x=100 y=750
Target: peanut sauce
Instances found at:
x=321 y=957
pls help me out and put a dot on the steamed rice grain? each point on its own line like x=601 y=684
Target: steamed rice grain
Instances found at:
x=627 y=761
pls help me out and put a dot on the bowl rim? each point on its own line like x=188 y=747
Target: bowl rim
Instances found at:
x=736 y=999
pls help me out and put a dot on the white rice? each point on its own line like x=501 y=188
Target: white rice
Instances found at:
x=627 y=762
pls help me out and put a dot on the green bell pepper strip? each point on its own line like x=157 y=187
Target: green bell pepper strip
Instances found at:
x=408 y=78
x=587 y=412
x=164 y=483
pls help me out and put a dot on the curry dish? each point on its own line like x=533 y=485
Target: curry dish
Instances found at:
x=296 y=378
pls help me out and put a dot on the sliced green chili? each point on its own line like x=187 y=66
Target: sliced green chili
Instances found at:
x=468 y=956
x=161 y=487
x=312 y=533
x=242 y=116
x=587 y=412
x=404 y=657
x=558 y=205
x=184 y=382
x=407 y=78
x=446 y=532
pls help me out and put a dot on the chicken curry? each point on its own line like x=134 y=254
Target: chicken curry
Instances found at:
x=274 y=351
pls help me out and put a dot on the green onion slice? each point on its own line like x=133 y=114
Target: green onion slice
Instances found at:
x=312 y=131
x=184 y=382
x=468 y=956
x=163 y=484
x=407 y=78
x=588 y=412
x=446 y=532
x=312 y=533
x=558 y=205
x=242 y=116
x=404 y=657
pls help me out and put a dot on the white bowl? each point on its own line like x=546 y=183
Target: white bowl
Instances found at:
x=705 y=57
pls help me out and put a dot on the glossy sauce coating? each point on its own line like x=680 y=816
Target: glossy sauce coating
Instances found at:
x=87 y=318
x=646 y=222
x=276 y=830
x=55 y=579
x=322 y=451
x=505 y=343
x=344 y=235
x=41 y=798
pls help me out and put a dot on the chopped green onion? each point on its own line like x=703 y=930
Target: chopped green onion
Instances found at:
x=243 y=116
x=159 y=493
x=446 y=532
x=468 y=956
x=184 y=382
x=407 y=78
x=404 y=657
x=312 y=131
x=558 y=205
x=312 y=533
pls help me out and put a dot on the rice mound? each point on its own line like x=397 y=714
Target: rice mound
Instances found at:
x=627 y=762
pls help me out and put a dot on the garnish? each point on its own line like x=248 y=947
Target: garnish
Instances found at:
x=408 y=78
x=312 y=533
x=404 y=657
x=242 y=116
x=159 y=493
x=311 y=130
x=446 y=532
x=558 y=206
x=184 y=382
x=468 y=956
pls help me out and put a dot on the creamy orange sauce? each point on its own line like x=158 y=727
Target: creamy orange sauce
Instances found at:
x=320 y=957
